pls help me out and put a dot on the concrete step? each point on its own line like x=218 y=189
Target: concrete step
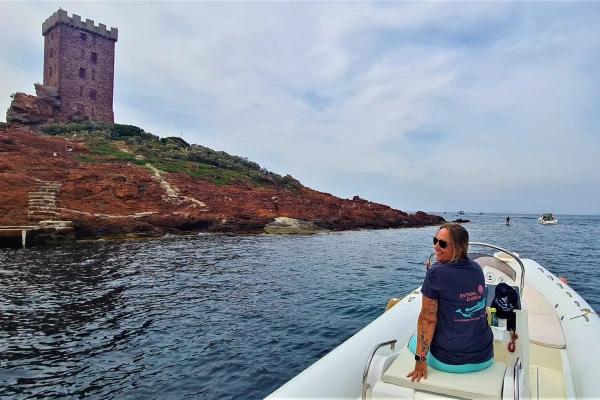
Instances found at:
x=56 y=223
x=41 y=208
x=53 y=185
x=48 y=185
x=42 y=212
x=41 y=202
x=42 y=194
x=46 y=192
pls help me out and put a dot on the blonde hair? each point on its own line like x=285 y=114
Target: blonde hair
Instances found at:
x=460 y=240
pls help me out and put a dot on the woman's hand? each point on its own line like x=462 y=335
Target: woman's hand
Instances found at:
x=419 y=372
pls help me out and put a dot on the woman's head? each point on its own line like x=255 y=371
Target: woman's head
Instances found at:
x=456 y=240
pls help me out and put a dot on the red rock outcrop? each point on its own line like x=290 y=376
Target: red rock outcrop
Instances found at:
x=28 y=111
x=117 y=198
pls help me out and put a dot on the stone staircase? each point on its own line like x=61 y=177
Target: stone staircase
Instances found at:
x=43 y=203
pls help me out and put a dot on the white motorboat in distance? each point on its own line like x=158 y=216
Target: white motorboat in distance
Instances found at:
x=556 y=354
x=548 y=219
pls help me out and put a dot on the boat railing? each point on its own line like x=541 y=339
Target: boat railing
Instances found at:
x=392 y=344
x=517 y=378
x=510 y=253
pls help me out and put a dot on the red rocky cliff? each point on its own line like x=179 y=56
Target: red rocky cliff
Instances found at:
x=27 y=111
x=41 y=178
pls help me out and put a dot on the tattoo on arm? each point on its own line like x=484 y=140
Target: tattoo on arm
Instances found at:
x=423 y=342
x=425 y=327
x=431 y=308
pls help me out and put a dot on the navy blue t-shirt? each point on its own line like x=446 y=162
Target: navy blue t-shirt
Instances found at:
x=462 y=334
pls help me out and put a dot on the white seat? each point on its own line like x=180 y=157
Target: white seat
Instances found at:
x=544 y=326
x=485 y=384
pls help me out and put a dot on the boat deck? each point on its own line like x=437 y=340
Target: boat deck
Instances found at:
x=546 y=383
x=545 y=372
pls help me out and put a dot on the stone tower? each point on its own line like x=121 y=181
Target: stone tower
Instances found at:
x=79 y=60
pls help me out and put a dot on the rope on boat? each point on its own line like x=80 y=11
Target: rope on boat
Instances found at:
x=585 y=314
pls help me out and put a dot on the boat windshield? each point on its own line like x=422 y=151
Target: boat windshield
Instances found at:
x=487 y=260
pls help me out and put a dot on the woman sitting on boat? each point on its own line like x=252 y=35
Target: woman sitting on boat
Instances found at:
x=452 y=330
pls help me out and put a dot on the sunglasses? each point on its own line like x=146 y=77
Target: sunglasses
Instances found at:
x=443 y=243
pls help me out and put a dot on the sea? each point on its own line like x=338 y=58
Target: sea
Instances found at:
x=228 y=316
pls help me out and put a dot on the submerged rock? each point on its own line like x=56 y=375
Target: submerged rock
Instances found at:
x=292 y=226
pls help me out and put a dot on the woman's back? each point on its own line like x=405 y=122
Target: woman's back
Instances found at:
x=462 y=334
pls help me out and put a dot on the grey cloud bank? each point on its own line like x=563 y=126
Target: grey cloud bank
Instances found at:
x=428 y=106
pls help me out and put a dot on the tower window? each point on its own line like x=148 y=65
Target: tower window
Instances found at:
x=51 y=53
x=83 y=37
x=92 y=94
x=94 y=57
x=50 y=72
x=93 y=75
x=80 y=91
x=82 y=53
x=82 y=72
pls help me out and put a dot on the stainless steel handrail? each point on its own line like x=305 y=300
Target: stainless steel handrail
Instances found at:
x=392 y=344
x=510 y=253
x=516 y=378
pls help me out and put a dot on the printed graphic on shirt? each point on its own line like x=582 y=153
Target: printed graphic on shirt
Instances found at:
x=471 y=296
x=468 y=313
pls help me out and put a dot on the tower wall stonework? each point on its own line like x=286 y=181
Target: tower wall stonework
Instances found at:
x=79 y=60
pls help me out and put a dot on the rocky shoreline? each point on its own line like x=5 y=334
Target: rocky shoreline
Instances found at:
x=47 y=178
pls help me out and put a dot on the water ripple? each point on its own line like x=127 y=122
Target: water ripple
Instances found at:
x=219 y=316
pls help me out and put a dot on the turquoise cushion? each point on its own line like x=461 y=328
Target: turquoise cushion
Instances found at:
x=457 y=369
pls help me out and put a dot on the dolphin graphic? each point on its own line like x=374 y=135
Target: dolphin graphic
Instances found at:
x=468 y=313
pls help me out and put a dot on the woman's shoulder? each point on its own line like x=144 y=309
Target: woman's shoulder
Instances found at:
x=455 y=263
x=454 y=267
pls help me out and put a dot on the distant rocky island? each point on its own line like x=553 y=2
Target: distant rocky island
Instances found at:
x=92 y=180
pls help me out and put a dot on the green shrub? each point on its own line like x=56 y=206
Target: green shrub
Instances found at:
x=86 y=127
x=118 y=131
x=179 y=142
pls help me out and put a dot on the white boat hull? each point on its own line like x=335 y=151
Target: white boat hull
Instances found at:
x=548 y=370
x=549 y=220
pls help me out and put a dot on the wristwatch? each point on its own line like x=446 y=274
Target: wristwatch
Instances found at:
x=420 y=358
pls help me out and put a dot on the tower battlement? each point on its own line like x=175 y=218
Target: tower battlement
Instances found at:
x=61 y=17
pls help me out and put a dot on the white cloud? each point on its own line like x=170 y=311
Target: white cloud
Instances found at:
x=419 y=105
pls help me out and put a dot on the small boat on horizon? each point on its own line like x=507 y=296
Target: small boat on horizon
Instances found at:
x=548 y=219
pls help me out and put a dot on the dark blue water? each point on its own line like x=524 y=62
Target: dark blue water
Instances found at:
x=227 y=317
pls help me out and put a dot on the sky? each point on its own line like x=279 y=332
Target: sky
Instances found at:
x=433 y=106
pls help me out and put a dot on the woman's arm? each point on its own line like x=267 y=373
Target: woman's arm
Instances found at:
x=425 y=328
